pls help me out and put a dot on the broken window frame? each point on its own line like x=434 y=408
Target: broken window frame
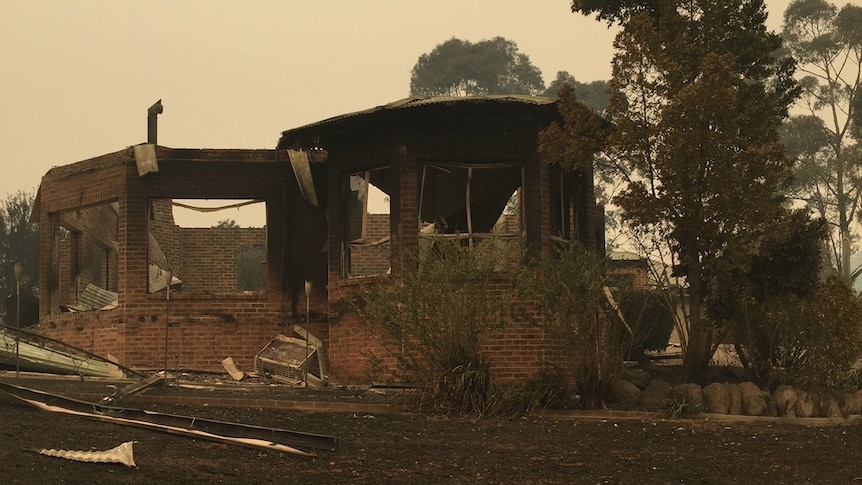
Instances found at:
x=471 y=236
x=352 y=240
x=76 y=282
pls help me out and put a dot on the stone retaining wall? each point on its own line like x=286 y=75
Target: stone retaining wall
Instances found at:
x=640 y=391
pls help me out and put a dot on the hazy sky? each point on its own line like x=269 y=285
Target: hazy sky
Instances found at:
x=78 y=76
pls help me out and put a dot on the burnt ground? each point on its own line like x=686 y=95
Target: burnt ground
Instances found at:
x=417 y=448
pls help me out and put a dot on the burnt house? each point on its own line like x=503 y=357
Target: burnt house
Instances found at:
x=342 y=197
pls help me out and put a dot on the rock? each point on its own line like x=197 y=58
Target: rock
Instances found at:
x=770 y=404
x=804 y=407
x=626 y=393
x=690 y=394
x=815 y=399
x=639 y=377
x=716 y=399
x=852 y=403
x=829 y=407
x=785 y=399
x=753 y=400
x=734 y=398
x=656 y=395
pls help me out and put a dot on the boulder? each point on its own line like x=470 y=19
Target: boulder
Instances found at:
x=734 y=398
x=785 y=400
x=829 y=407
x=716 y=399
x=804 y=407
x=639 y=377
x=852 y=403
x=656 y=395
x=753 y=400
x=691 y=394
x=817 y=401
x=626 y=393
x=770 y=404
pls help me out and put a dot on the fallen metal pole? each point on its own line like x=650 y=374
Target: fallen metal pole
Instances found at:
x=170 y=421
x=248 y=442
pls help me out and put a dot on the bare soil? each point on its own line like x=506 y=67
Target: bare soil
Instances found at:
x=415 y=448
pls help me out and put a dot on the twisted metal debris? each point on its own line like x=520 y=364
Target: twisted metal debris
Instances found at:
x=118 y=454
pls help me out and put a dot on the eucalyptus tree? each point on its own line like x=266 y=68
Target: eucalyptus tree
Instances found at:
x=462 y=68
x=827 y=44
x=593 y=94
x=19 y=242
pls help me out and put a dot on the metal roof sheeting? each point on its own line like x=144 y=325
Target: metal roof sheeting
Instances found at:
x=419 y=102
x=94 y=298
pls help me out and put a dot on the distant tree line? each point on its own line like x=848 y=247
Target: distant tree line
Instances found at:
x=462 y=68
x=19 y=243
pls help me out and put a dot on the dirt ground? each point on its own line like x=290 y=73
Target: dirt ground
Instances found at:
x=418 y=449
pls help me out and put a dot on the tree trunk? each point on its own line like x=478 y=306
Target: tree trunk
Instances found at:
x=696 y=359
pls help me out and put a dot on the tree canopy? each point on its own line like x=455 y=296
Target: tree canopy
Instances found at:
x=594 y=94
x=226 y=224
x=19 y=242
x=461 y=68
x=827 y=43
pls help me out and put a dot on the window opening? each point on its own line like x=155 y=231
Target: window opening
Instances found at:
x=204 y=243
x=251 y=270
x=477 y=205
x=562 y=204
x=366 y=223
x=85 y=258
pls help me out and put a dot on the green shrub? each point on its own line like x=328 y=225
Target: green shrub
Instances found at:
x=435 y=313
x=568 y=289
x=810 y=341
x=550 y=388
x=822 y=340
x=650 y=321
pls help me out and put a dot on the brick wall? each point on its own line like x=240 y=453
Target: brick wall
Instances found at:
x=209 y=257
x=371 y=260
x=208 y=320
x=357 y=353
x=360 y=352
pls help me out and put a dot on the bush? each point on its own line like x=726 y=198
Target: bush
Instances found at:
x=435 y=314
x=550 y=388
x=650 y=321
x=811 y=342
x=823 y=340
x=567 y=287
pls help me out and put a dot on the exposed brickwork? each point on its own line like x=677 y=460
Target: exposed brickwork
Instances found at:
x=372 y=259
x=209 y=320
x=357 y=353
x=209 y=257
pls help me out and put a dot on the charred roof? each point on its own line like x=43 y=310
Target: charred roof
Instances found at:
x=422 y=110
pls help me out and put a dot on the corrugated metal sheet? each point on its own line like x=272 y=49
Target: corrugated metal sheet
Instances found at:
x=157 y=277
x=94 y=298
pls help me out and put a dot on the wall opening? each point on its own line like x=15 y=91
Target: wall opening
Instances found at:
x=562 y=204
x=251 y=268
x=479 y=205
x=84 y=259
x=366 y=223
x=209 y=245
